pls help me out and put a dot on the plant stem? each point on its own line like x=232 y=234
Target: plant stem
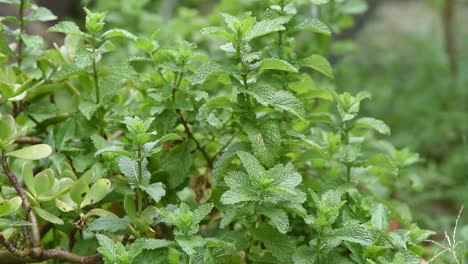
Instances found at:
x=6 y=257
x=36 y=236
x=188 y=131
x=95 y=72
x=29 y=140
x=19 y=59
x=96 y=82
x=449 y=36
x=140 y=177
x=348 y=172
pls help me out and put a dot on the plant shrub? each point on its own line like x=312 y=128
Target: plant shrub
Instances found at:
x=240 y=156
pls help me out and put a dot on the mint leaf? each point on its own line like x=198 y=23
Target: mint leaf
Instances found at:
x=276 y=64
x=278 y=217
x=155 y=190
x=266 y=141
x=87 y=109
x=314 y=25
x=112 y=252
x=380 y=217
x=109 y=223
x=351 y=233
x=130 y=170
x=319 y=64
x=40 y=14
x=205 y=72
x=190 y=244
x=267 y=95
x=279 y=245
x=377 y=125
x=84 y=58
x=68 y=27
x=117 y=32
x=265 y=27
x=304 y=255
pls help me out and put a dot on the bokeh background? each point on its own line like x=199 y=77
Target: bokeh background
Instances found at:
x=411 y=55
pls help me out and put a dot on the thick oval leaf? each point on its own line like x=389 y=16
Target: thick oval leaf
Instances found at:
x=79 y=191
x=47 y=216
x=64 y=206
x=35 y=152
x=28 y=177
x=5 y=208
x=15 y=203
x=97 y=192
x=43 y=182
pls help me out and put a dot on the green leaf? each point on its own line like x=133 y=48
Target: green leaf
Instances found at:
x=319 y=64
x=79 y=191
x=205 y=72
x=351 y=233
x=146 y=44
x=267 y=95
x=304 y=255
x=7 y=90
x=124 y=70
x=238 y=196
x=129 y=168
x=377 y=125
x=177 y=163
x=266 y=26
x=66 y=71
x=251 y=164
x=87 y=109
x=314 y=25
x=380 y=217
x=40 y=14
x=278 y=217
x=33 y=41
x=6 y=223
x=43 y=182
x=349 y=153
x=202 y=211
x=35 y=152
x=117 y=32
x=114 y=149
x=84 y=58
x=8 y=207
x=97 y=192
x=217 y=31
x=113 y=252
x=276 y=64
x=279 y=245
x=47 y=216
x=222 y=163
x=28 y=177
x=266 y=141
x=109 y=223
x=68 y=27
x=189 y=244
x=155 y=190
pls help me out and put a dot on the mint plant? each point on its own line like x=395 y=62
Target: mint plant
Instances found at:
x=186 y=153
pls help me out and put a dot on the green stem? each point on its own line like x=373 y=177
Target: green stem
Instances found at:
x=96 y=82
x=20 y=38
x=95 y=72
x=140 y=176
x=319 y=242
x=348 y=172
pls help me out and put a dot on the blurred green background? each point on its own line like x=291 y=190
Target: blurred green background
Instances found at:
x=411 y=55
